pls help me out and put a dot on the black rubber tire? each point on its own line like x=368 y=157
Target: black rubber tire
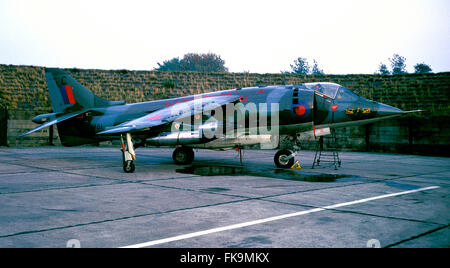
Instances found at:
x=129 y=167
x=279 y=162
x=183 y=155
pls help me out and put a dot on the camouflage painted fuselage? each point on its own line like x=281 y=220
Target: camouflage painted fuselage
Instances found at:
x=301 y=108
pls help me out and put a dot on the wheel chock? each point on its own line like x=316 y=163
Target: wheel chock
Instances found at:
x=296 y=165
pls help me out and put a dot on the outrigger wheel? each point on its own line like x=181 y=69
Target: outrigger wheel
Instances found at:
x=128 y=166
x=183 y=155
x=281 y=160
x=128 y=154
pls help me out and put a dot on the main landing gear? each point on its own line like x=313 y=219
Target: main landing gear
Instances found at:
x=183 y=155
x=285 y=158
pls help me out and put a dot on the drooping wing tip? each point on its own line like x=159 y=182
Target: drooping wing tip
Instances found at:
x=22 y=135
x=413 y=111
x=38 y=128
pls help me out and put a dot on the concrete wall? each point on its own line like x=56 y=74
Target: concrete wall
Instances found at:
x=23 y=91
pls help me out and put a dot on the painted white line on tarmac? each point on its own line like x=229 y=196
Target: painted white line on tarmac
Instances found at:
x=276 y=218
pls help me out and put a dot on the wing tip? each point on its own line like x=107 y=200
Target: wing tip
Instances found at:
x=413 y=111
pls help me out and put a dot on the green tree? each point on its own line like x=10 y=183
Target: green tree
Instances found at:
x=209 y=62
x=422 y=68
x=300 y=66
x=383 y=69
x=170 y=65
x=398 y=64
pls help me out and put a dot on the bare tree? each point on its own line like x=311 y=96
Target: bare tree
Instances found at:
x=316 y=69
x=301 y=66
x=398 y=64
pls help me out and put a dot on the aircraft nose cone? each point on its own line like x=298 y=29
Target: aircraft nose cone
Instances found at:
x=386 y=110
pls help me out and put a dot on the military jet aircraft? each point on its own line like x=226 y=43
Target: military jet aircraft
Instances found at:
x=220 y=120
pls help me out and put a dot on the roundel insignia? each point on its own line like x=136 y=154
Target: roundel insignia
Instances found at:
x=301 y=109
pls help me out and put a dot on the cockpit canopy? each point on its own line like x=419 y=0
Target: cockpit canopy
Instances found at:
x=332 y=90
x=326 y=88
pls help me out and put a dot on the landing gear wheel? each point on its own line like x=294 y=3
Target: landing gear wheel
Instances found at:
x=128 y=166
x=183 y=156
x=281 y=161
x=128 y=154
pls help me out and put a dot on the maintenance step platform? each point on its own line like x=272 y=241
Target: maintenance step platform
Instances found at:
x=80 y=197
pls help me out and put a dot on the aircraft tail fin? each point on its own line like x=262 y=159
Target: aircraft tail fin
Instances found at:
x=68 y=95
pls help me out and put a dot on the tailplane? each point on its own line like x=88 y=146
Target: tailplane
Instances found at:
x=70 y=100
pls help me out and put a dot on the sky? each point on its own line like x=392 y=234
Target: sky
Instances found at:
x=344 y=37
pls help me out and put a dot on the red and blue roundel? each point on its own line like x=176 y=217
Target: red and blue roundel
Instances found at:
x=301 y=109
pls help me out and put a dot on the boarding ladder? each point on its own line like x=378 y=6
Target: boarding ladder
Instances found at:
x=328 y=153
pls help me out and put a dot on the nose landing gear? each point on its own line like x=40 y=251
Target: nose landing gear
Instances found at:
x=285 y=158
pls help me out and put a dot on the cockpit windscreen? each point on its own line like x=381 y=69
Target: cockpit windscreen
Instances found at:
x=328 y=89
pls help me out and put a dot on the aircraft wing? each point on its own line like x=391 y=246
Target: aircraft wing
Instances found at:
x=55 y=118
x=171 y=113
